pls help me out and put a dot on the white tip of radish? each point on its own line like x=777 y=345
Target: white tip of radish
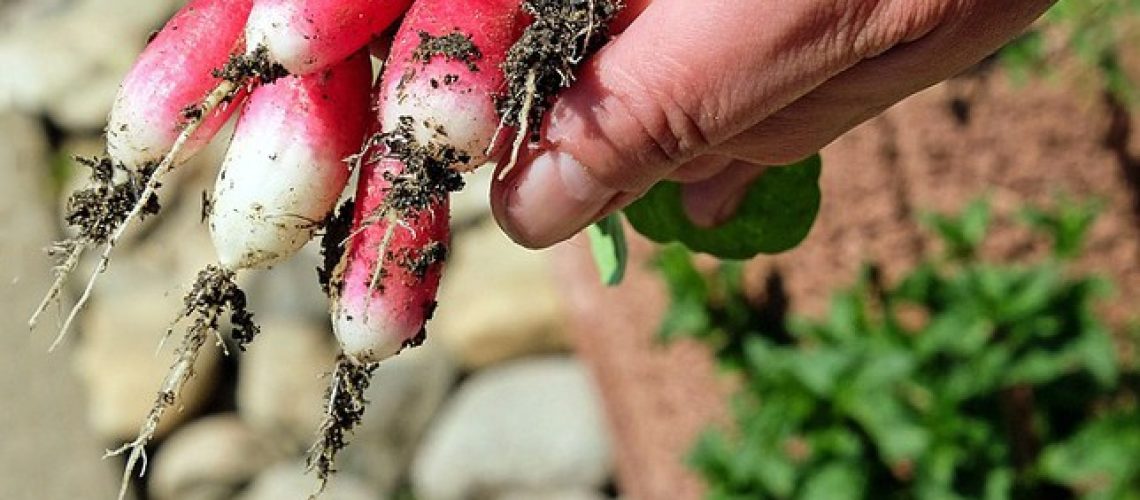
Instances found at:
x=368 y=338
x=285 y=168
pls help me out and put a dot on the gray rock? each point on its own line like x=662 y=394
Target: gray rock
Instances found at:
x=533 y=425
x=406 y=393
x=42 y=402
x=70 y=59
x=209 y=459
x=472 y=205
x=497 y=301
x=289 y=481
x=281 y=384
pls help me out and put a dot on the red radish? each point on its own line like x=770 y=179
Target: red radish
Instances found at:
x=444 y=71
x=173 y=75
x=309 y=35
x=437 y=111
x=285 y=167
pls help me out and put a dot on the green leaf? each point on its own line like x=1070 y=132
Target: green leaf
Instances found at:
x=776 y=214
x=607 y=240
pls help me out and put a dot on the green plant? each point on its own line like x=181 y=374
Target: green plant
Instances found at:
x=966 y=379
x=1092 y=31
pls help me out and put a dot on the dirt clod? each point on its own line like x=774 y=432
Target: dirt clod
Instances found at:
x=344 y=410
x=456 y=46
x=214 y=293
x=428 y=176
x=255 y=66
x=418 y=261
x=542 y=62
x=338 y=227
x=96 y=211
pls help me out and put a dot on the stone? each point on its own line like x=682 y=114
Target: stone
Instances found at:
x=406 y=394
x=61 y=52
x=208 y=459
x=528 y=425
x=43 y=407
x=281 y=390
x=288 y=481
x=473 y=204
x=497 y=301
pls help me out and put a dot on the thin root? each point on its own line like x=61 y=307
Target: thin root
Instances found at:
x=62 y=271
x=524 y=124
x=344 y=410
x=220 y=94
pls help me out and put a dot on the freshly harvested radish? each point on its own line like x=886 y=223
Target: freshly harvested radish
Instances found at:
x=285 y=167
x=310 y=35
x=171 y=78
x=281 y=177
x=444 y=72
x=393 y=269
x=168 y=107
x=437 y=113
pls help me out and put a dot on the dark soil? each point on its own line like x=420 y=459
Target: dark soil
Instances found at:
x=455 y=46
x=255 y=66
x=338 y=227
x=428 y=176
x=418 y=261
x=543 y=61
x=344 y=410
x=96 y=212
x=214 y=293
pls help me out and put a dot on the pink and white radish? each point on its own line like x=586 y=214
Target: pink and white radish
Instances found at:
x=285 y=168
x=173 y=75
x=437 y=113
x=281 y=177
x=309 y=35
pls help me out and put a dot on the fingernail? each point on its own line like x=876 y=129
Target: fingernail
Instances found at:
x=553 y=199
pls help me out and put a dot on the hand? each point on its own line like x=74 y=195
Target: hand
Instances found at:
x=707 y=93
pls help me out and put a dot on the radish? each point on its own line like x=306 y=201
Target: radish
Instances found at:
x=309 y=35
x=285 y=167
x=281 y=177
x=169 y=106
x=437 y=111
x=169 y=80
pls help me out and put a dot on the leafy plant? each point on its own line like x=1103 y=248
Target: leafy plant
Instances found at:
x=1092 y=31
x=967 y=379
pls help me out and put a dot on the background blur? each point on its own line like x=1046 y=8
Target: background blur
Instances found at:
x=536 y=381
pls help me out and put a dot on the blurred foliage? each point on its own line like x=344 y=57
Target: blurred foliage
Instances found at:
x=1093 y=31
x=966 y=379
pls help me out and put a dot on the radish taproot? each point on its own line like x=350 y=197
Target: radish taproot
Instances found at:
x=285 y=167
x=309 y=35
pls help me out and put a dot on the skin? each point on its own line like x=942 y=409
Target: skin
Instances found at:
x=710 y=99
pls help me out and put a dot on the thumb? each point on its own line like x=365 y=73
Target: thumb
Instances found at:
x=678 y=81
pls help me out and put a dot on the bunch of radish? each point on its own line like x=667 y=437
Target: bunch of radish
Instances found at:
x=298 y=74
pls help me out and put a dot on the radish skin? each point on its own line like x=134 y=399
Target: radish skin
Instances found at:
x=174 y=73
x=285 y=168
x=309 y=35
x=452 y=104
x=436 y=96
x=375 y=320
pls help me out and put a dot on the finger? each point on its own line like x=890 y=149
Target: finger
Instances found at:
x=671 y=85
x=714 y=200
x=699 y=168
x=871 y=86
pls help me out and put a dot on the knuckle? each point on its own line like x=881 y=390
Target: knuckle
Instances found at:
x=660 y=129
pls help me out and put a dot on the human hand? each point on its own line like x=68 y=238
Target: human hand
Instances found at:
x=708 y=93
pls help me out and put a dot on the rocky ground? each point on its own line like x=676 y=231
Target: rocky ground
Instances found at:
x=493 y=406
